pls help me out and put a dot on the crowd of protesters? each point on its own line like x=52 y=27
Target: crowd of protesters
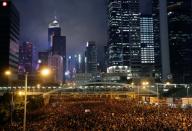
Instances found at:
x=94 y=113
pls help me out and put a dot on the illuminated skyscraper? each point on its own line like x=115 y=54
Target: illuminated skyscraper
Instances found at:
x=59 y=48
x=26 y=57
x=123 y=48
x=147 y=45
x=157 y=42
x=147 y=40
x=180 y=39
x=43 y=58
x=53 y=30
x=91 y=57
x=55 y=62
x=57 y=42
x=9 y=39
x=78 y=63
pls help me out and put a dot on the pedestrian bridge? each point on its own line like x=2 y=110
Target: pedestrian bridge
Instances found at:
x=97 y=87
x=105 y=84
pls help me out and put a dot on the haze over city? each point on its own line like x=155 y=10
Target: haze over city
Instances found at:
x=95 y=65
x=80 y=22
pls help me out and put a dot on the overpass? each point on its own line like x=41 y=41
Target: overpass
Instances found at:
x=100 y=87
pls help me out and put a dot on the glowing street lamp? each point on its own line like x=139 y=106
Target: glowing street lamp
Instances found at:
x=45 y=72
x=21 y=93
x=145 y=83
x=167 y=83
x=8 y=73
x=132 y=84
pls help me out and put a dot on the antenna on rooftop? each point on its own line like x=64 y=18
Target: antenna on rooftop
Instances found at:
x=55 y=16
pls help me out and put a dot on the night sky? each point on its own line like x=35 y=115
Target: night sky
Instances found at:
x=80 y=20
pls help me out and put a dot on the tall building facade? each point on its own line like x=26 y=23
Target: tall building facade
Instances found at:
x=57 y=42
x=56 y=64
x=91 y=58
x=54 y=29
x=123 y=48
x=26 y=57
x=59 y=45
x=43 y=58
x=147 y=46
x=9 y=39
x=156 y=30
x=180 y=39
x=59 y=48
x=147 y=40
x=78 y=63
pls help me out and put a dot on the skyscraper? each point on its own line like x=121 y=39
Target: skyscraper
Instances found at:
x=9 y=39
x=56 y=64
x=57 y=42
x=26 y=57
x=147 y=45
x=91 y=57
x=54 y=29
x=78 y=63
x=123 y=48
x=59 y=48
x=180 y=39
x=165 y=59
x=43 y=58
x=156 y=31
x=147 y=40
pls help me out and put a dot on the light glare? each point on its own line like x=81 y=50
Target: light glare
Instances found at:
x=4 y=3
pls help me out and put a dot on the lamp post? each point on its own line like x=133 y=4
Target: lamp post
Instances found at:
x=44 y=72
x=138 y=92
x=157 y=84
x=158 y=100
x=187 y=93
x=144 y=84
x=25 y=102
x=8 y=73
x=132 y=86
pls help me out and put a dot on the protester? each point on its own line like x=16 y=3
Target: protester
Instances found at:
x=95 y=113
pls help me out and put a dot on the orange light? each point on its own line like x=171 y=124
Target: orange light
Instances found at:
x=45 y=72
x=4 y=4
x=8 y=73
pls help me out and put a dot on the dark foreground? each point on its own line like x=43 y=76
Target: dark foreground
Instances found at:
x=93 y=113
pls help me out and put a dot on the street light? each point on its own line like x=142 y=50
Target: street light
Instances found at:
x=144 y=84
x=21 y=93
x=25 y=102
x=8 y=73
x=158 y=100
x=186 y=86
x=167 y=83
x=44 y=72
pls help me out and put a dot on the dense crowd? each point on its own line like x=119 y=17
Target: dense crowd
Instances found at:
x=94 y=113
